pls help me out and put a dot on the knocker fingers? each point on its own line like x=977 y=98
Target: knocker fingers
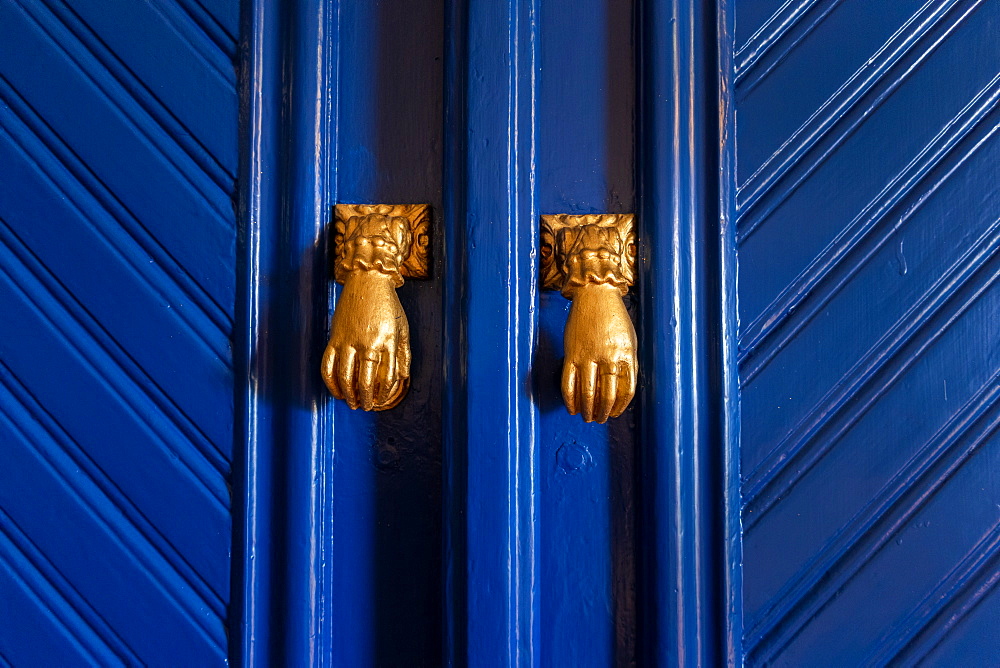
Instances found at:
x=569 y=386
x=327 y=368
x=598 y=390
x=387 y=375
x=588 y=390
x=346 y=376
x=607 y=392
x=366 y=378
x=626 y=387
x=403 y=351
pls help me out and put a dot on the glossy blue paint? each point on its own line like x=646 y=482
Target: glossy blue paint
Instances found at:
x=540 y=538
x=867 y=214
x=690 y=536
x=587 y=492
x=386 y=563
x=117 y=264
x=491 y=420
x=847 y=150
x=285 y=607
x=343 y=543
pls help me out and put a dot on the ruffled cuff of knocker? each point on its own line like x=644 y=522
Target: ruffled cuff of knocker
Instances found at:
x=582 y=271
x=370 y=243
x=387 y=266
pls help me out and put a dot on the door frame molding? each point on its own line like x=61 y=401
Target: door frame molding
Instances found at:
x=491 y=447
x=690 y=585
x=281 y=593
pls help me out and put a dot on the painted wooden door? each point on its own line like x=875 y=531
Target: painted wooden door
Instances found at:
x=478 y=523
x=867 y=204
x=804 y=478
x=118 y=274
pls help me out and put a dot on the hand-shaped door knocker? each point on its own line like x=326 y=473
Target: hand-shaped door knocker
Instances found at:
x=591 y=259
x=367 y=361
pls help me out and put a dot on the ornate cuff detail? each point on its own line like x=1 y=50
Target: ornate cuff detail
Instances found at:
x=392 y=240
x=596 y=249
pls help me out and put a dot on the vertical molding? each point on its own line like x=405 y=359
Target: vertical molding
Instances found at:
x=281 y=599
x=690 y=537
x=491 y=295
x=729 y=401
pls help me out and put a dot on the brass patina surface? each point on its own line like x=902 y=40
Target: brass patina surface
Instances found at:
x=591 y=260
x=367 y=361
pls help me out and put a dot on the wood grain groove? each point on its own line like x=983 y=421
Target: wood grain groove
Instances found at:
x=772 y=30
x=68 y=460
x=762 y=44
x=146 y=98
x=216 y=57
x=213 y=37
x=207 y=322
x=956 y=588
x=58 y=610
x=842 y=110
x=812 y=289
x=62 y=593
x=118 y=238
x=794 y=619
x=838 y=558
x=216 y=197
x=174 y=588
x=200 y=469
x=913 y=333
x=143 y=384
x=32 y=127
x=928 y=639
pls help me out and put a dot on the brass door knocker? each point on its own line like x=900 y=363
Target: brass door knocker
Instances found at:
x=591 y=260
x=367 y=361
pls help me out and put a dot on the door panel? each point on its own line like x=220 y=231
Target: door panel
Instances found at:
x=387 y=466
x=117 y=246
x=867 y=221
x=587 y=494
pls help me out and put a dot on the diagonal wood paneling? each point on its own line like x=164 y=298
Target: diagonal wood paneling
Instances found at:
x=118 y=136
x=867 y=232
x=867 y=144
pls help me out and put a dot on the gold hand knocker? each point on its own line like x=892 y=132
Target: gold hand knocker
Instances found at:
x=591 y=260
x=367 y=361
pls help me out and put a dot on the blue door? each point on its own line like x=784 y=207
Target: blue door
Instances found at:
x=866 y=213
x=118 y=275
x=805 y=475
